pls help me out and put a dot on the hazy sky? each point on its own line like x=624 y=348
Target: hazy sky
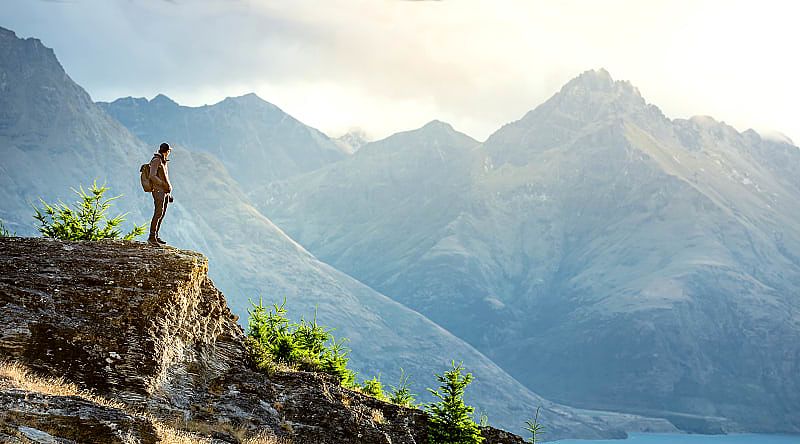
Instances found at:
x=391 y=65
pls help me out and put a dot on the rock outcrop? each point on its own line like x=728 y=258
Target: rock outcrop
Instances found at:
x=146 y=327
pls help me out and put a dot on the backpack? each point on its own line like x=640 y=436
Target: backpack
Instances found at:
x=144 y=177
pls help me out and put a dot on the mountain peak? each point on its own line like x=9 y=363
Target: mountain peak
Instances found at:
x=7 y=33
x=30 y=53
x=593 y=95
x=438 y=130
x=599 y=81
x=433 y=133
x=249 y=98
x=595 y=79
x=352 y=141
x=161 y=99
x=438 y=124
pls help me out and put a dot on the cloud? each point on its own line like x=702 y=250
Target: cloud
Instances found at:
x=388 y=66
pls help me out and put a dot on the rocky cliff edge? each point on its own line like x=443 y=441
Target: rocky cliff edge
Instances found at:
x=146 y=339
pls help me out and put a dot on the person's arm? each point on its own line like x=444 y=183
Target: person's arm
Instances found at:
x=168 y=183
x=165 y=179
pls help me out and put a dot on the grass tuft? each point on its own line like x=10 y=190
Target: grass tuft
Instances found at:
x=14 y=375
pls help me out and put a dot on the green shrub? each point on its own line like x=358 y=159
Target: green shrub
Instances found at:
x=450 y=420
x=334 y=363
x=534 y=427
x=305 y=345
x=374 y=388
x=87 y=220
x=401 y=394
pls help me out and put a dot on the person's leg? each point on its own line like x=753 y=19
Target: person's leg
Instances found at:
x=163 y=213
x=158 y=214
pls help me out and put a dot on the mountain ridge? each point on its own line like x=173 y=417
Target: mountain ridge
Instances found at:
x=593 y=216
x=252 y=136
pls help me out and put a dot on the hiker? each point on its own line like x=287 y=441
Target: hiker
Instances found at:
x=159 y=179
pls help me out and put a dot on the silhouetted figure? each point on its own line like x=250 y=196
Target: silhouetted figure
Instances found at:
x=159 y=178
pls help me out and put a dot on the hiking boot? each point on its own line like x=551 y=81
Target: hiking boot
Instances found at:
x=152 y=241
x=161 y=241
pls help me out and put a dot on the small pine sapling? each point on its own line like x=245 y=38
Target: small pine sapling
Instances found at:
x=534 y=427
x=450 y=420
x=401 y=394
x=334 y=362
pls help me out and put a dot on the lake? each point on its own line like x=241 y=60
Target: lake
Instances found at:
x=657 y=438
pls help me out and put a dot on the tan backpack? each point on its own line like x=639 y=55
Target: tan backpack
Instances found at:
x=144 y=177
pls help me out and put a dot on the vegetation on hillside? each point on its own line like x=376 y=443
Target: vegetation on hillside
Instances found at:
x=87 y=219
x=304 y=345
x=275 y=341
x=450 y=420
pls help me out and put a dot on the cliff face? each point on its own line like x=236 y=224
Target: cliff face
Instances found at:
x=146 y=327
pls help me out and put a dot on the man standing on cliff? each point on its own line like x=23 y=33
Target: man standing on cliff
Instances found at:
x=162 y=187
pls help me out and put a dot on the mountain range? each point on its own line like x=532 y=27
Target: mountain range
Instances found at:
x=253 y=138
x=605 y=255
x=595 y=250
x=54 y=137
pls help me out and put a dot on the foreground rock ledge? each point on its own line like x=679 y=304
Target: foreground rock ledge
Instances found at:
x=145 y=326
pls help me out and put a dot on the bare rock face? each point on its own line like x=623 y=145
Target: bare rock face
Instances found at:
x=146 y=326
x=67 y=419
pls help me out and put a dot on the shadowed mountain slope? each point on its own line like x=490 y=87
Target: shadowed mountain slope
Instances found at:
x=602 y=253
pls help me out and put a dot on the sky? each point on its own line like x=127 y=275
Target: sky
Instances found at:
x=391 y=65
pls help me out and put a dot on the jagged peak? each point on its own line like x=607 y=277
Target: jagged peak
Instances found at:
x=7 y=33
x=43 y=54
x=599 y=81
x=162 y=99
x=249 y=98
x=352 y=140
x=592 y=95
x=596 y=78
x=126 y=101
